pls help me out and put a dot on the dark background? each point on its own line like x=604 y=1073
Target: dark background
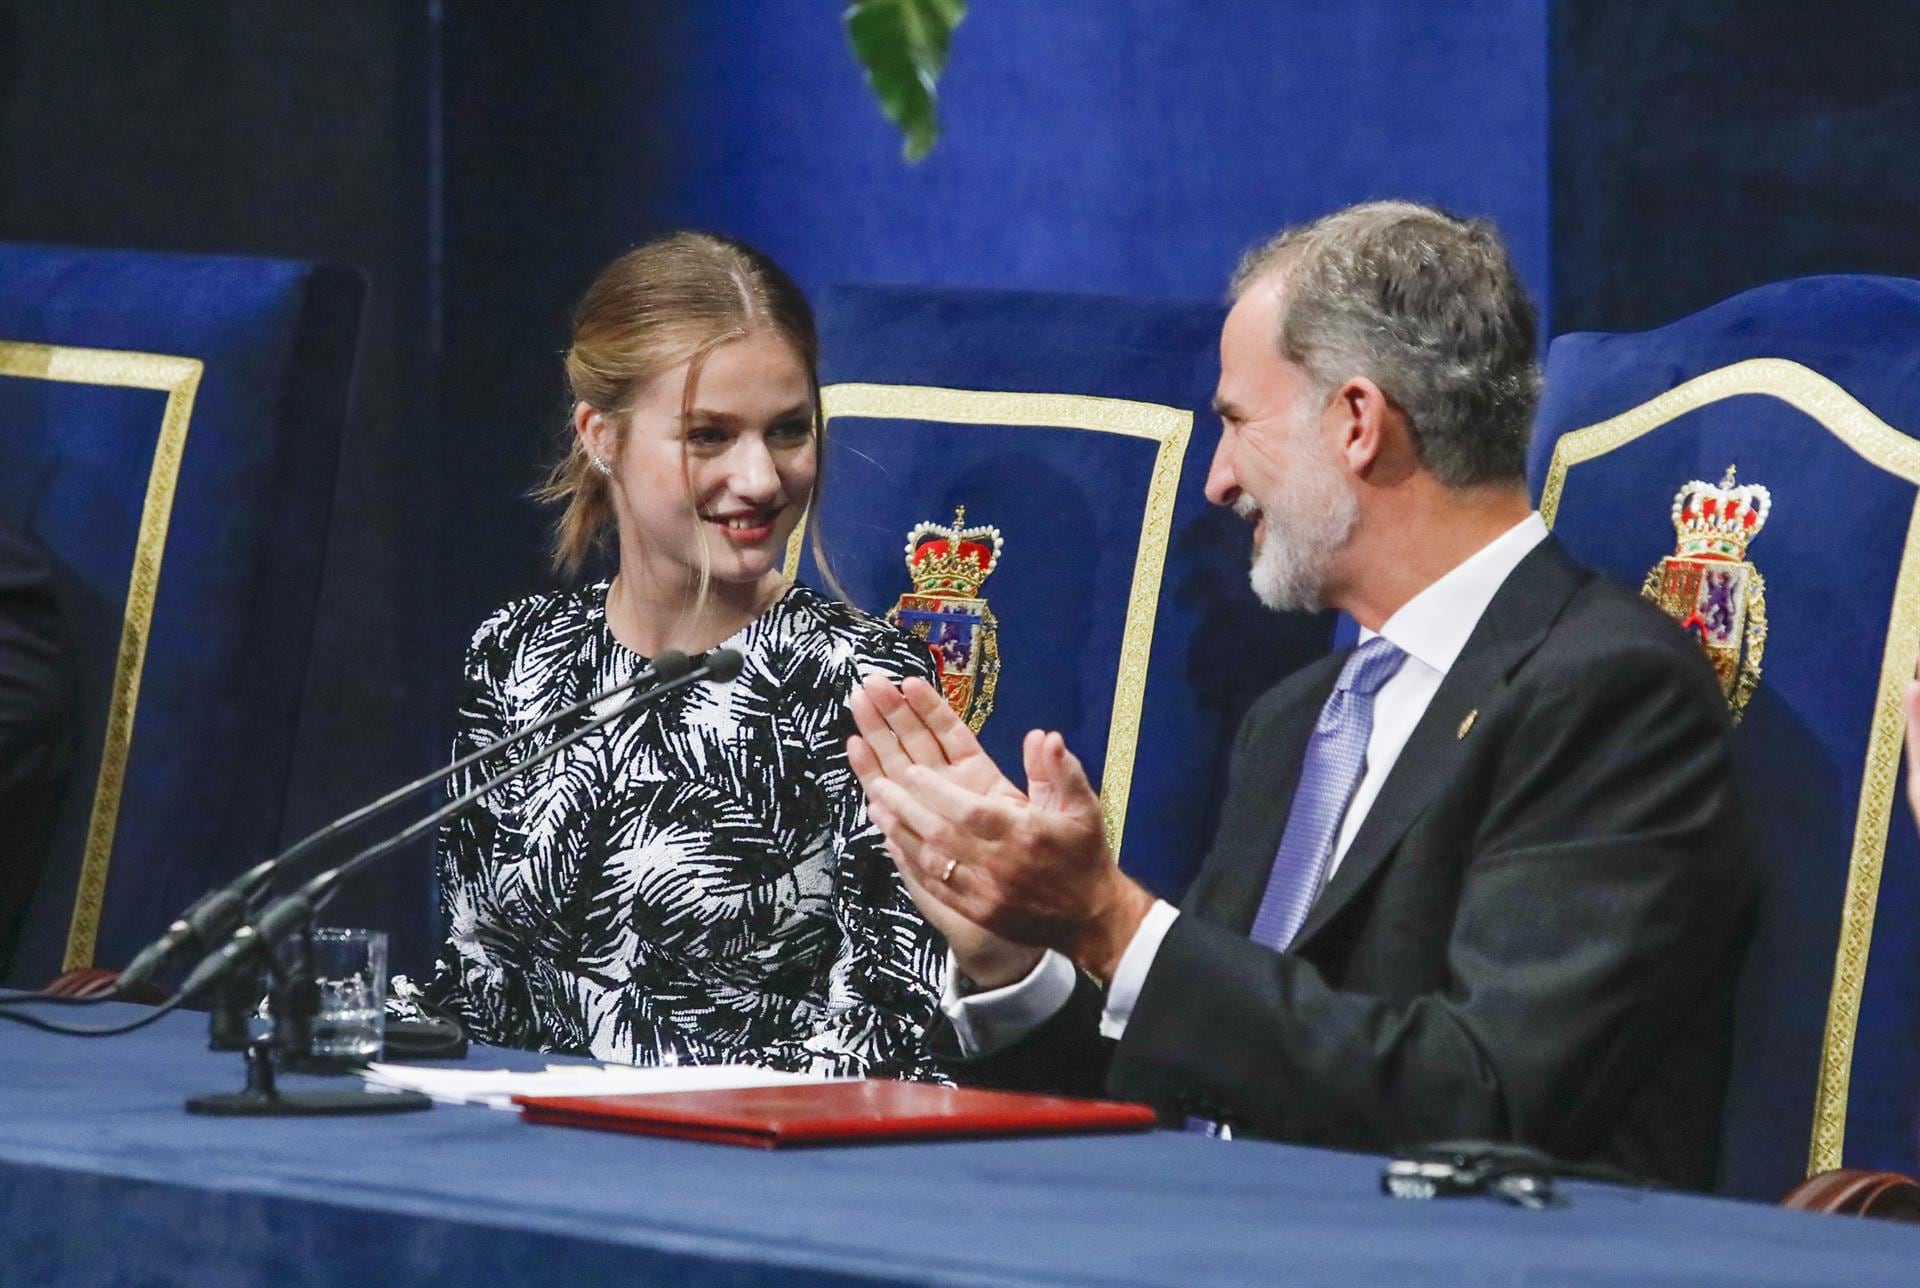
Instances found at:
x=480 y=162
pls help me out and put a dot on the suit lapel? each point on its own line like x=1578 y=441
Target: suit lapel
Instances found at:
x=1516 y=620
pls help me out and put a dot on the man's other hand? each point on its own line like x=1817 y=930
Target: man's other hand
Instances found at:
x=991 y=866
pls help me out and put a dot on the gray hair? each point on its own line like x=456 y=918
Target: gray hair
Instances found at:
x=1428 y=307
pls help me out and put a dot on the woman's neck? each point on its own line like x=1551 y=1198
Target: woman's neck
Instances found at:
x=650 y=619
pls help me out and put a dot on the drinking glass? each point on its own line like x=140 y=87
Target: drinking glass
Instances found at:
x=350 y=968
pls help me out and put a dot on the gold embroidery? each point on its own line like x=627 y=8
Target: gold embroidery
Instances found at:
x=1169 y=427
x=179 y=379
x=1708 y=586
x=949 y=566
x=1843 y=416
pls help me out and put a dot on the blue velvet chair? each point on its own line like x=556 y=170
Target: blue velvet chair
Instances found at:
x=169 y=430
x=1089 y=587
x=1810 y=600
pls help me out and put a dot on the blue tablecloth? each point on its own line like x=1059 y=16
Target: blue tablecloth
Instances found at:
x=104 y=1180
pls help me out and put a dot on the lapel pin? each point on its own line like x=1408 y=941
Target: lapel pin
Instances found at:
x=1466 y=724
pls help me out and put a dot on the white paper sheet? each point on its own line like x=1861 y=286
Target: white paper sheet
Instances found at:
x=496 y=1088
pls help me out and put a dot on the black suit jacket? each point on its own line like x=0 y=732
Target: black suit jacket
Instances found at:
x=34 y=717
x=1531 y=936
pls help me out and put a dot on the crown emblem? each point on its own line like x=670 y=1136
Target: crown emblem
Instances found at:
x=1708 y=586
x=946 y=610
x=951 y=560
x=1718 y=522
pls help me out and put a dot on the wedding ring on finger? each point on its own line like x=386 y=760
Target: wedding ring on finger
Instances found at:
x=946 y=873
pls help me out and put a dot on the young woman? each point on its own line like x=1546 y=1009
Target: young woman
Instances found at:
x=698 y=881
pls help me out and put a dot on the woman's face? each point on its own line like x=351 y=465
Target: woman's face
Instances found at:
x=745 y=451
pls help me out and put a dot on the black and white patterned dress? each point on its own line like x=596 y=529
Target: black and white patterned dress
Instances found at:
x=697 y=881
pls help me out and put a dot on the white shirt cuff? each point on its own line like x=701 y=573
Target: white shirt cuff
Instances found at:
x=996 y=1018
x=1131 y=974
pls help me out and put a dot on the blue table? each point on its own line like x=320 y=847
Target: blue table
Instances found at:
x=105 y=1180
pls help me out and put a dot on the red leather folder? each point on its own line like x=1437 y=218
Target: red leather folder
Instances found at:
x=833 y=1113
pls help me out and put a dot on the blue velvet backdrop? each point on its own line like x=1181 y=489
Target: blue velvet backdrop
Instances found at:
x=1700 y=149
x=1830 y=553
x=1127 y=146
x=1070 y=505
x=227 y=648
x=1132 y=147
x=482 y=161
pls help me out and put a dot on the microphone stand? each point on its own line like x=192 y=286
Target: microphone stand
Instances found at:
x=294 y=998
x=217 y=913
x=214 y=915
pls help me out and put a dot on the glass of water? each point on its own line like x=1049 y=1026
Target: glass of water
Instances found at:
x=350 y=967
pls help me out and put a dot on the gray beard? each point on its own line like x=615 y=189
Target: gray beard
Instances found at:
x=1306 y=526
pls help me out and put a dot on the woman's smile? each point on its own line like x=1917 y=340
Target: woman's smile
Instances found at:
x=746 y=527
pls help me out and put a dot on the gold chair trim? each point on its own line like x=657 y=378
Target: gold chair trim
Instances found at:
x=1169 y=427
x=1879 y=443
x=179 y=379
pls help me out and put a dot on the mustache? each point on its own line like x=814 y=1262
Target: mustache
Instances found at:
x=1246 y=507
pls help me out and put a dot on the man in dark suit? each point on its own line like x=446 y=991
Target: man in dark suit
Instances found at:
x=34 y=697
x=1480 y=876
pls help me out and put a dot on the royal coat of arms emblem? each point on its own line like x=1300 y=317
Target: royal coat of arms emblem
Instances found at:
x=945 y=608
x=1707 y=585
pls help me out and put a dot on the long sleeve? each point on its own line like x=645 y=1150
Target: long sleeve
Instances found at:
x=1600 y=891
x=696 y=881
x=885 y=976
x=995 y=1019
x=467 y=842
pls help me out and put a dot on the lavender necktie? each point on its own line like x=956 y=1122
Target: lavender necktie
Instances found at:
x=1336 y=758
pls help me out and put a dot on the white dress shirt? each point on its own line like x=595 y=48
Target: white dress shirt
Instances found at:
x=1431 y=629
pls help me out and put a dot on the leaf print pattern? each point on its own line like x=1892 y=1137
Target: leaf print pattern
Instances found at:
x=696 y=881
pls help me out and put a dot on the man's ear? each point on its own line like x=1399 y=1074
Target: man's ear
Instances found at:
x=1372 y=432
x=1356 y=409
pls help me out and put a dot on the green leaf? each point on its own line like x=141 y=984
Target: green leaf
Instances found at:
x=903 y=46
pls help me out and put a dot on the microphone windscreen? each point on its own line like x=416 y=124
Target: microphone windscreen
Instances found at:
x=724 y=663
x=671 y=665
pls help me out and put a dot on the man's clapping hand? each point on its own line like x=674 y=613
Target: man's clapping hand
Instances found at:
x=1000 y=872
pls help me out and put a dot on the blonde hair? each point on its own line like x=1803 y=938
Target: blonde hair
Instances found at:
x=675 y=299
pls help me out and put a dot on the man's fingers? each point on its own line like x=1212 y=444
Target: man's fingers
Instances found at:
x=939 y=901
x=916 y=860
x=917 y=742
x=862 y=761
x=895 y=832
x=1056 y=774
x=880 y=739
x=955 y=893
x=955 y=740
x=907 y=812
x=1040 y=788
x=1068 y=774
x=970 y=813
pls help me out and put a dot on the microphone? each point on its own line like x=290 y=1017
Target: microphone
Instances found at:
x=205 y=919
x=722 y=664
x=215 y=914
x=290 y=912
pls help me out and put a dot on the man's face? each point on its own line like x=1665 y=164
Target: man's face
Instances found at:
x=1274 y=465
